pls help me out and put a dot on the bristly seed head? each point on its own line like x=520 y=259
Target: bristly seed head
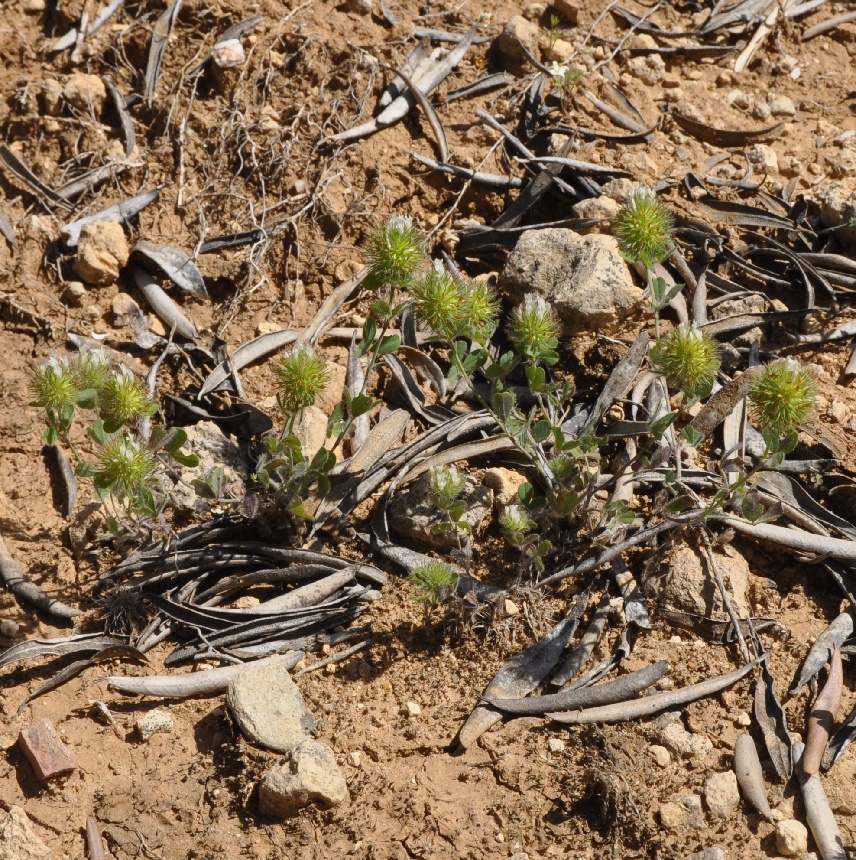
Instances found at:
x=301 y=377
x=453 y=307
x=515 y=522
x=396 y=252
x=53 y=385
x=533 y=330
x=123 y=399
x=435 y=582
x=91 y=367
x=782 y=397
x=643 y=227
x=688 y=358
x=125 y=467
x=447 y=483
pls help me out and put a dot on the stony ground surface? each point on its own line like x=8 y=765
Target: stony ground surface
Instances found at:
x=243 y=147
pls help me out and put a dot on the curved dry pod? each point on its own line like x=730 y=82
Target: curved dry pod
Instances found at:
x=175 y=264
x=193 y=684
x=248 y=353
x=750 y=777
x=162 y=304
x=821 y=721
x=818 y=813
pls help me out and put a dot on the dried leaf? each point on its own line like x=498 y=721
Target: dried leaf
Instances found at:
x=774 y=723
x=160 y=36
x=120 y=212
x=174 y=264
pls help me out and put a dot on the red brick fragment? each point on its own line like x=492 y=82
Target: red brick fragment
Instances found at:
x=45 y=751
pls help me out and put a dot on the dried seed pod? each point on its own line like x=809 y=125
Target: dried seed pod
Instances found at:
x=822 y=718
x=750 y=778
x=818 y=813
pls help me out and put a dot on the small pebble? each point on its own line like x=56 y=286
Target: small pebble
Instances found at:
x=791 y=838
x=355 y=758
x=8 y=629
x=155 y=722
x=660 y=755
x=556 y=745
x=412 y=709
x=782 y=106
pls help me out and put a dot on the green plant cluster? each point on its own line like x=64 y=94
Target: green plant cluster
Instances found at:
x=115 y=408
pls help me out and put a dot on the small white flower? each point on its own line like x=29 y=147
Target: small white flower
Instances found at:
x=559 y=70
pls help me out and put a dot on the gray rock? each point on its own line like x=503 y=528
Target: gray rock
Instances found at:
x=683 y=743
x=213 y=449
x=684 y=814
x=584 y=278
x=791 y=838
x=709 y=854
x=602 y=207
x=782 y=106
x=837 y=209
x=269 y=708
x=507 y=45
x=413 y=515
x=650 y=69
x=310 y=774
x=155 y=722
x=101 y=252
x=18 y=840
x=684 y=582
x=721 y=795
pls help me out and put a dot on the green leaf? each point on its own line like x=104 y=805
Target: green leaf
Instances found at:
x=112 y=426
x=752 y=509
x=189 y=460
x=565 y=502
x=51 y=436
x=84 y=470
x=659 y=427
x=336 y=422
x=203 y=489
x=369 y=332
x=678 y=505
x=97 y=431
x=296 y=507
x=323 y=461
x=526 y=492
x=503 y=404
x=361 y=404
x=658 y=292
x=144 y=501
x=456 y=510
x=541 y=431
x=475 y=359
x=323 y=485
x=550 y=357
x=536 y=377
x=177 y=439
x=693 y=437
x=389 y=344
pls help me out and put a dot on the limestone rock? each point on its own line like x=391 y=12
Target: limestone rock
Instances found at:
x=208 y=442
x=619 y=189
x=602 y=207
x=154 y=723
x=837 y=209
x=660 y=754
x=505 y=483
x=765 y=157
x=791 y=838
x=685 y=744
x=311 y=429
x=18 y=840
x=782 y=106
x=709 y=854
x=650 y=69
x=414 y=516
x=507 y=45
x=82 y=90
x=269 y=708
x=685 y=814
x=311 y=773
x=584 y=278
x=684 y=582
x=721 y=795
x=101 y=252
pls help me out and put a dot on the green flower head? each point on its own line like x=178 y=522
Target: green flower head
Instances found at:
x=688 y=358
x=440 y=302
x=447 y=483
x=480 y=309
x=435 y=581
x=301 y=376
x=53 y=385
x=125 y=468
x=643 y=227
x=396 y=252
x=91 y=368
x=123 y=399
x=515 y=522
x=533 y=330
x=782 y=397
